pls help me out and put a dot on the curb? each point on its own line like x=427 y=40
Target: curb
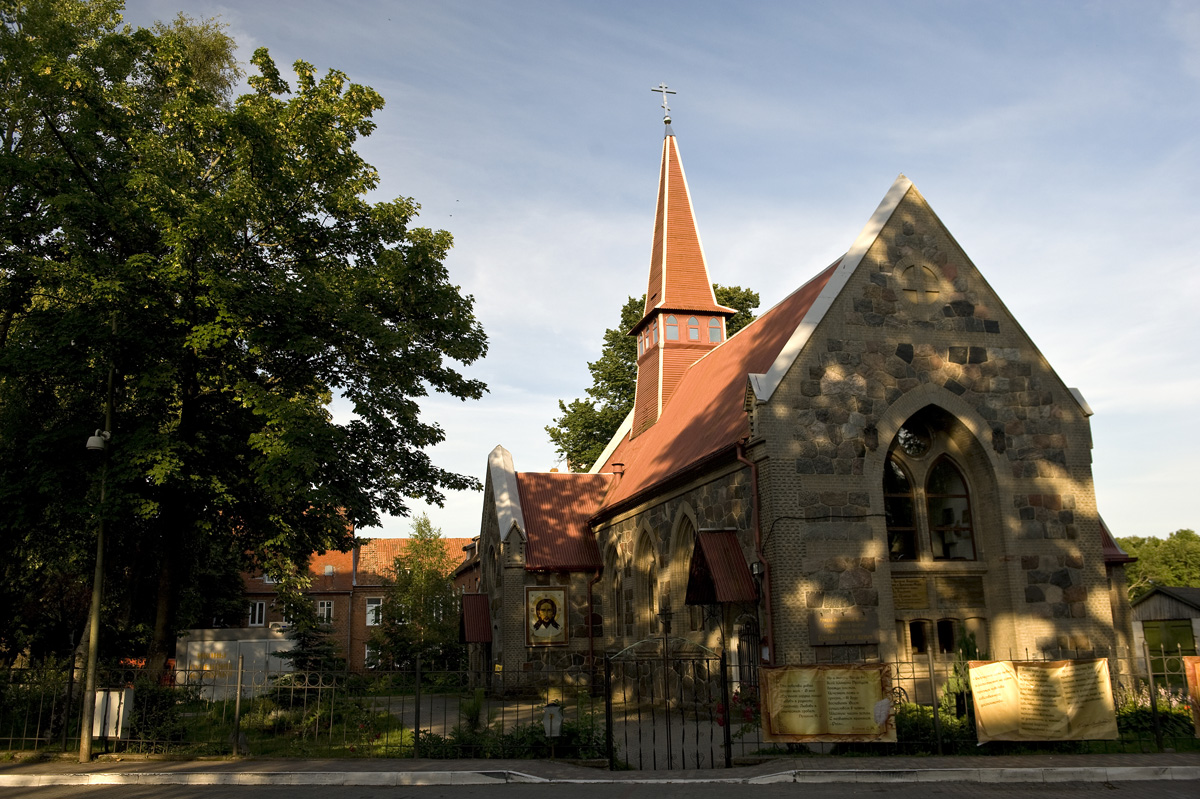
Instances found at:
x=419 y=778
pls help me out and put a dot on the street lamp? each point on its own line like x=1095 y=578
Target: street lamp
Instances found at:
x=97 y=443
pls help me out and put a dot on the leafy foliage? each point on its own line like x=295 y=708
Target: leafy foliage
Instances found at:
x=1171 y=561
x=585 y=426
x=419 y=616
x=221 y=258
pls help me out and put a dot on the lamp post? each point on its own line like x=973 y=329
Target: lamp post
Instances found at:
x=96 y=443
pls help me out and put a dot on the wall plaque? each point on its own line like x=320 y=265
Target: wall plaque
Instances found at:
x=849 y=626
x=959 y=592
x=910 y=593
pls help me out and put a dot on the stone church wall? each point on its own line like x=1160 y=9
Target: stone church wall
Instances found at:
x=917 y=324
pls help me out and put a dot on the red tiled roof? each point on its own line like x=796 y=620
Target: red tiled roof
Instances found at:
x=719 y=572
x=339 y=580
x=1110 y=549
x=557 y=506
x=706 y=413
x=377 y=556
x=475 y=623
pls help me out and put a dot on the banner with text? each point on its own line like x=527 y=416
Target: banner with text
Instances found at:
x=1058 y=700
x=1191 y=668
x=827 y=703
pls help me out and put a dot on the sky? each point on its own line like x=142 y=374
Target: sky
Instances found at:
x=1056 y=140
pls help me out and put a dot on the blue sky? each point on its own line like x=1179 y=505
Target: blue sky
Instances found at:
x=1057 y=141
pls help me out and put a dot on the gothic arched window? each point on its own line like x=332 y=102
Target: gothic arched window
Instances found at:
x=926 y=496
x=951 y=533
x=714 y=330
x=693 y=329
x=672 y=329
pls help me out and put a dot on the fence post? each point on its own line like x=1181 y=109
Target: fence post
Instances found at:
x=417 y=711
x=1158 y=737
x=728 y=736
x=937 y=720
x=237 y=710
x=609 y=750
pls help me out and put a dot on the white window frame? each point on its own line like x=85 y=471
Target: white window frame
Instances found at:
x=325 y=611
x=374 y=611
x=258 y=613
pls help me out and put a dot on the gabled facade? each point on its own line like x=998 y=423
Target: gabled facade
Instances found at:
x=879 y=465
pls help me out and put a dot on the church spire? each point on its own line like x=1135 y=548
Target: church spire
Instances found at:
x=682 y=320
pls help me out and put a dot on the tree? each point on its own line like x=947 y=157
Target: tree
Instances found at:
x=1173 y=561
x=586 y=426
x=222 y=259
x=419 y=616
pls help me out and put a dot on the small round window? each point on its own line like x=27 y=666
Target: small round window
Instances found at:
x=914 y=439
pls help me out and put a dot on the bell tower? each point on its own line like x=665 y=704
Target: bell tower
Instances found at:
x=682 y=320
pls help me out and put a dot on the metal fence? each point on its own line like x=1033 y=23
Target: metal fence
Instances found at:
x=643 y=711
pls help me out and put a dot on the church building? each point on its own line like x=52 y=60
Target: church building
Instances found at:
x=877 y=468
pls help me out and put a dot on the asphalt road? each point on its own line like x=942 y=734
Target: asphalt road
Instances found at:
x=1063 y=790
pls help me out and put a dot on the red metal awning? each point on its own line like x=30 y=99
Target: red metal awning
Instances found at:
x=719 y=573
x=475 y=622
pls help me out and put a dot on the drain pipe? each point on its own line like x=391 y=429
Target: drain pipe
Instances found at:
x=591 y=627
x=766 y=565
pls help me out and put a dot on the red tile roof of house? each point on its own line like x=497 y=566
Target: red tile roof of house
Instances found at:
x=706 y=414
x=377 y=556
x=557 y=506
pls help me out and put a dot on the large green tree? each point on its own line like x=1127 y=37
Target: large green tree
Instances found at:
x=220 y=257
x=1173 y=561
x=585 y=426
x=419 y=615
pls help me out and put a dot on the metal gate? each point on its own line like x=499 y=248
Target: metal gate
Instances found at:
x=668 y=711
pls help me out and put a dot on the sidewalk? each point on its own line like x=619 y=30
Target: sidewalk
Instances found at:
x=249 y=771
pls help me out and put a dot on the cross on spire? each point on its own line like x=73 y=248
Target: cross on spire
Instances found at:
x=662 y=89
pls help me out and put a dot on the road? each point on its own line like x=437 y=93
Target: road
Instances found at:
x=948 y=790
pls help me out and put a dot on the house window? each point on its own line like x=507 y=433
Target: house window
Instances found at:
x=258 y=614
x=693 y=329
x=641 y=344
x=325 y=611
x=654 y=331
x=371 y=657
x=329 y=570
x=269 y=580
x=374 y=610
x=945 y=636
x=714 y=330
x=672 y=329
x=927 y=501
x=916 y=637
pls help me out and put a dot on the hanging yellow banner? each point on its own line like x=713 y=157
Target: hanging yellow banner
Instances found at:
x=1191 y=668
x=827 y=703
x=1059 y=700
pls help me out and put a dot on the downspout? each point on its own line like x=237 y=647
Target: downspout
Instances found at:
x=755 y=522
x=591 y=627
x=350 y=612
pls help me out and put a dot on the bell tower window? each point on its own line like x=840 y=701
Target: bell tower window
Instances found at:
x=672 y=329
x=714 y=330
x=693 y=329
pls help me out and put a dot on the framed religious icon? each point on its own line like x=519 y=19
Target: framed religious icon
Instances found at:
x=546 y=616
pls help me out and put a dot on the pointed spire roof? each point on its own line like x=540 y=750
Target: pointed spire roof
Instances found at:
x=679 y=278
